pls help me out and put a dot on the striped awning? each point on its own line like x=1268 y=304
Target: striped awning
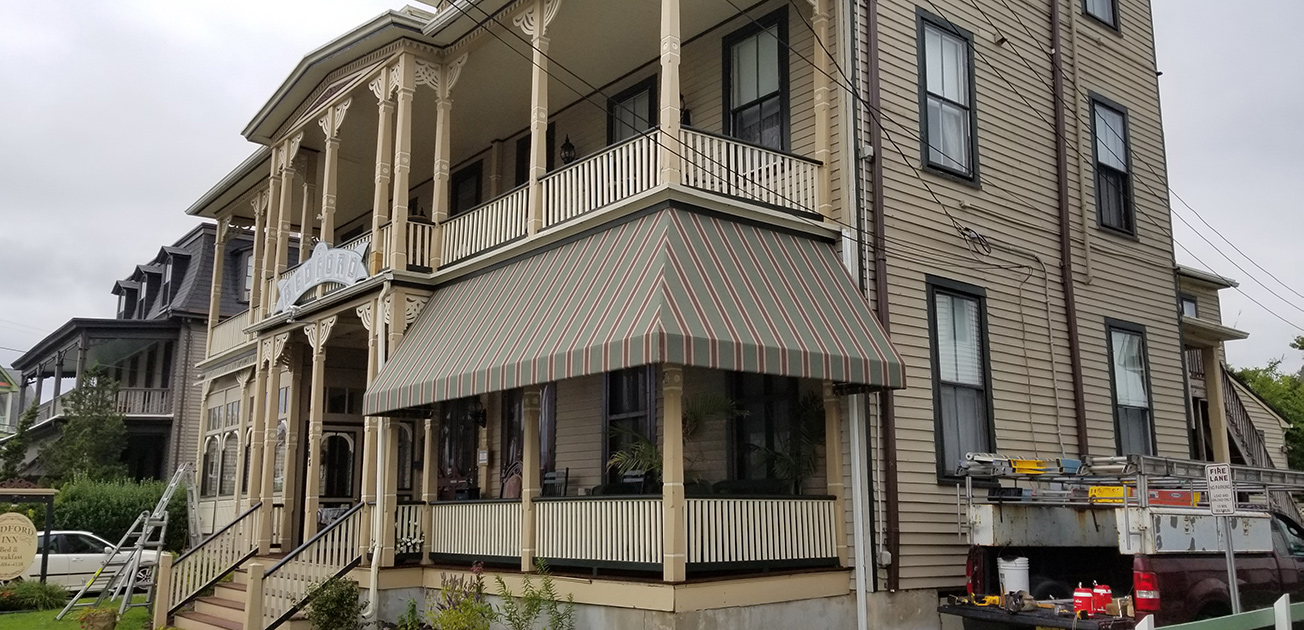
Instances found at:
x=668 y=287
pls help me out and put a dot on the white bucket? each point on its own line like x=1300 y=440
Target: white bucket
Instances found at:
x=1013 y=573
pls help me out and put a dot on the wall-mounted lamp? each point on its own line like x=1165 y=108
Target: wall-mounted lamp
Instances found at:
x=567 y=151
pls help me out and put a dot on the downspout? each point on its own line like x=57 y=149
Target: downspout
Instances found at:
x=1065 y=229
x=887 y=407
x=861 y=481
x=372 y=610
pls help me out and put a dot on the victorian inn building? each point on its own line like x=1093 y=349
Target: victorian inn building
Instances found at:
x=609 y=285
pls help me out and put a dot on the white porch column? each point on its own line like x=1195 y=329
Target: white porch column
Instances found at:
x=675 y=533
x=440 y=78
x=306 y=215
x=823 y=107
x=275 y=348
x=267 y=264
x=530 y=414
x=671 y=169
x=317 y=332
x=284 y=216
x=258 y=416
x=369 y=314
x=1213 y=391
x=388 y=504
x=534 y=23
x=382 y=86
x=429 y=483
x=833 y=467
x=259 y=203
x=246 y=412
x=293 y=454
x=330 y=126
x=219 y=266
x=405 y=76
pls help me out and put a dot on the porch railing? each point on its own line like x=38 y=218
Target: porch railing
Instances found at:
x=332 y=552
x=420 y=244
x=600 y=530
x=380 y=244
x=737 y=169
x=619 y=172
x=229 y=334
x=145 y=401
x=489 y=225
x=278 y=513
x=211 y=560
x=724 y=531
x=476 y=530
x=408 y=536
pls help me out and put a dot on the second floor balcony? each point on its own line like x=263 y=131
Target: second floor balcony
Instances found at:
x=426 y=161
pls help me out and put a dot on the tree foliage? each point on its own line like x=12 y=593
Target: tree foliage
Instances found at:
x=14 y=451
x=1284 y=392
x=93 y=434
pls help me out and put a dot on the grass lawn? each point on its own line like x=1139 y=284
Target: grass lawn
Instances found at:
x=135 y=619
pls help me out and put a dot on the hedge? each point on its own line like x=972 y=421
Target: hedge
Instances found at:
x=109 y=508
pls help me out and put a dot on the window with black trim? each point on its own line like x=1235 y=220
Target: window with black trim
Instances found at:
x=165 y=292
x=1104 y=10
x=756 y=82
x=1129 y=375
x=947 y=111
x=464 y=188
x=1114 y=209
x=248 y=257
x=962 y=398
x=770 y=403
x=1190 y=308
x=633 y=111
x=629 y=418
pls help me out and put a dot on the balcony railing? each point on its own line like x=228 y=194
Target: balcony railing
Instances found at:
x=620 y=172
x=420 y=244
x=476 y=530
x=229 y=334
x=145 y=402
x=737 y=169
x=490 y=225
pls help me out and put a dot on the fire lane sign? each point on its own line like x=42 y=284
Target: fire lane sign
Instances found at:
x=1222 y=497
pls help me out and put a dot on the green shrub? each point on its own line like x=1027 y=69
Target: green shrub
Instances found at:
x=108 y=508
x=335 y=605
x=460 y=604
x=32 y=596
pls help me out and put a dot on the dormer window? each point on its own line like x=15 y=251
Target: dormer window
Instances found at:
x=126 y=303
x=165 y=293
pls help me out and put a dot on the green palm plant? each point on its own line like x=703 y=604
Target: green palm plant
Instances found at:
x=644 y=454
x=797 y=455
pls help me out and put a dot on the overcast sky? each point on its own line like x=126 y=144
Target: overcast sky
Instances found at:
x=118 y=115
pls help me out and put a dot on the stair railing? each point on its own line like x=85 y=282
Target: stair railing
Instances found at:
x=334 y=551
x=205 y=564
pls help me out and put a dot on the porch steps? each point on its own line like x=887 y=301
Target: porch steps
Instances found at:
x=225 y=608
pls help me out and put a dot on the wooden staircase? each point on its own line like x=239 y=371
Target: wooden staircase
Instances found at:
x=225 y=608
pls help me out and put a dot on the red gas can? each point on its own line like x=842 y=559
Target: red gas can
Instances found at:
x=1083 y=601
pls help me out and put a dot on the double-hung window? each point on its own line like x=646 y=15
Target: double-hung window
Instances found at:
x=961 y=391
x=248 y=276
x=947 y=115
x=1114 y=208
x=632 y=112
x=1104 y=10
x=629 y=412
x=755 y=95
x=1130 y=376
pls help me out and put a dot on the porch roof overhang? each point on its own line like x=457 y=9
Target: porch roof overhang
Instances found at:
x=116 y=335
x=1199 y=333
x=665 y=286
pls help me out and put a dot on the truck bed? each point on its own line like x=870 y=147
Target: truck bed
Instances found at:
x=992 y=618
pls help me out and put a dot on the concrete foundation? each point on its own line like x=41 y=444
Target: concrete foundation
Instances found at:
x=904 y=610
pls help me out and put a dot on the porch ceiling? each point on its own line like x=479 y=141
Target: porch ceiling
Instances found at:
x=672 y=286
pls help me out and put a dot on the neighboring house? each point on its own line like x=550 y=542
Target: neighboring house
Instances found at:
x=10 y=409
x=512 y=279
x=150 y=349
x=1254 y=433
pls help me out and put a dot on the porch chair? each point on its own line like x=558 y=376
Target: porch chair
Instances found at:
x=555 y=483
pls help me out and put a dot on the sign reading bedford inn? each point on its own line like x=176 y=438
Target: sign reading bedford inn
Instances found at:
x=327 y=265
x=17 y=545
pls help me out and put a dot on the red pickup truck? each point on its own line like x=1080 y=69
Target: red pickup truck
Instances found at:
x=1174 y=587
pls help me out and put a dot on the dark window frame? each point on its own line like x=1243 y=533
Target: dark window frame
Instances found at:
x=648 y=85
x=1115 y=26
x=472 y=171
x=1111 y=325
x=946 y=286
x=1095 y=100
x=1182 y=299
x=779 y=18
x=649 y=423
x=923 y=20
x=734 y=456
x=520 y=174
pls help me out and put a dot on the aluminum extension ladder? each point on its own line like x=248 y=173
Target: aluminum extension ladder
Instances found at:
x=123 y=575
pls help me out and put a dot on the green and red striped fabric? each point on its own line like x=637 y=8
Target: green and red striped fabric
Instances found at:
x=670 y=287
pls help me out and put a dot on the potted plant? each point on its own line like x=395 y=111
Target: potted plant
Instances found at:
x=98 y=619
x=644 y=455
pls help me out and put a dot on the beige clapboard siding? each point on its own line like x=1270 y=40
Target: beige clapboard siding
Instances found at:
x=1017 y=204
x=1207 y=303
x=579 y=430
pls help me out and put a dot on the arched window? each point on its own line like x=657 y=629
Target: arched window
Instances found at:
x=208 y=487
x=278 y=468
x=337 y=465
x=230 y=448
